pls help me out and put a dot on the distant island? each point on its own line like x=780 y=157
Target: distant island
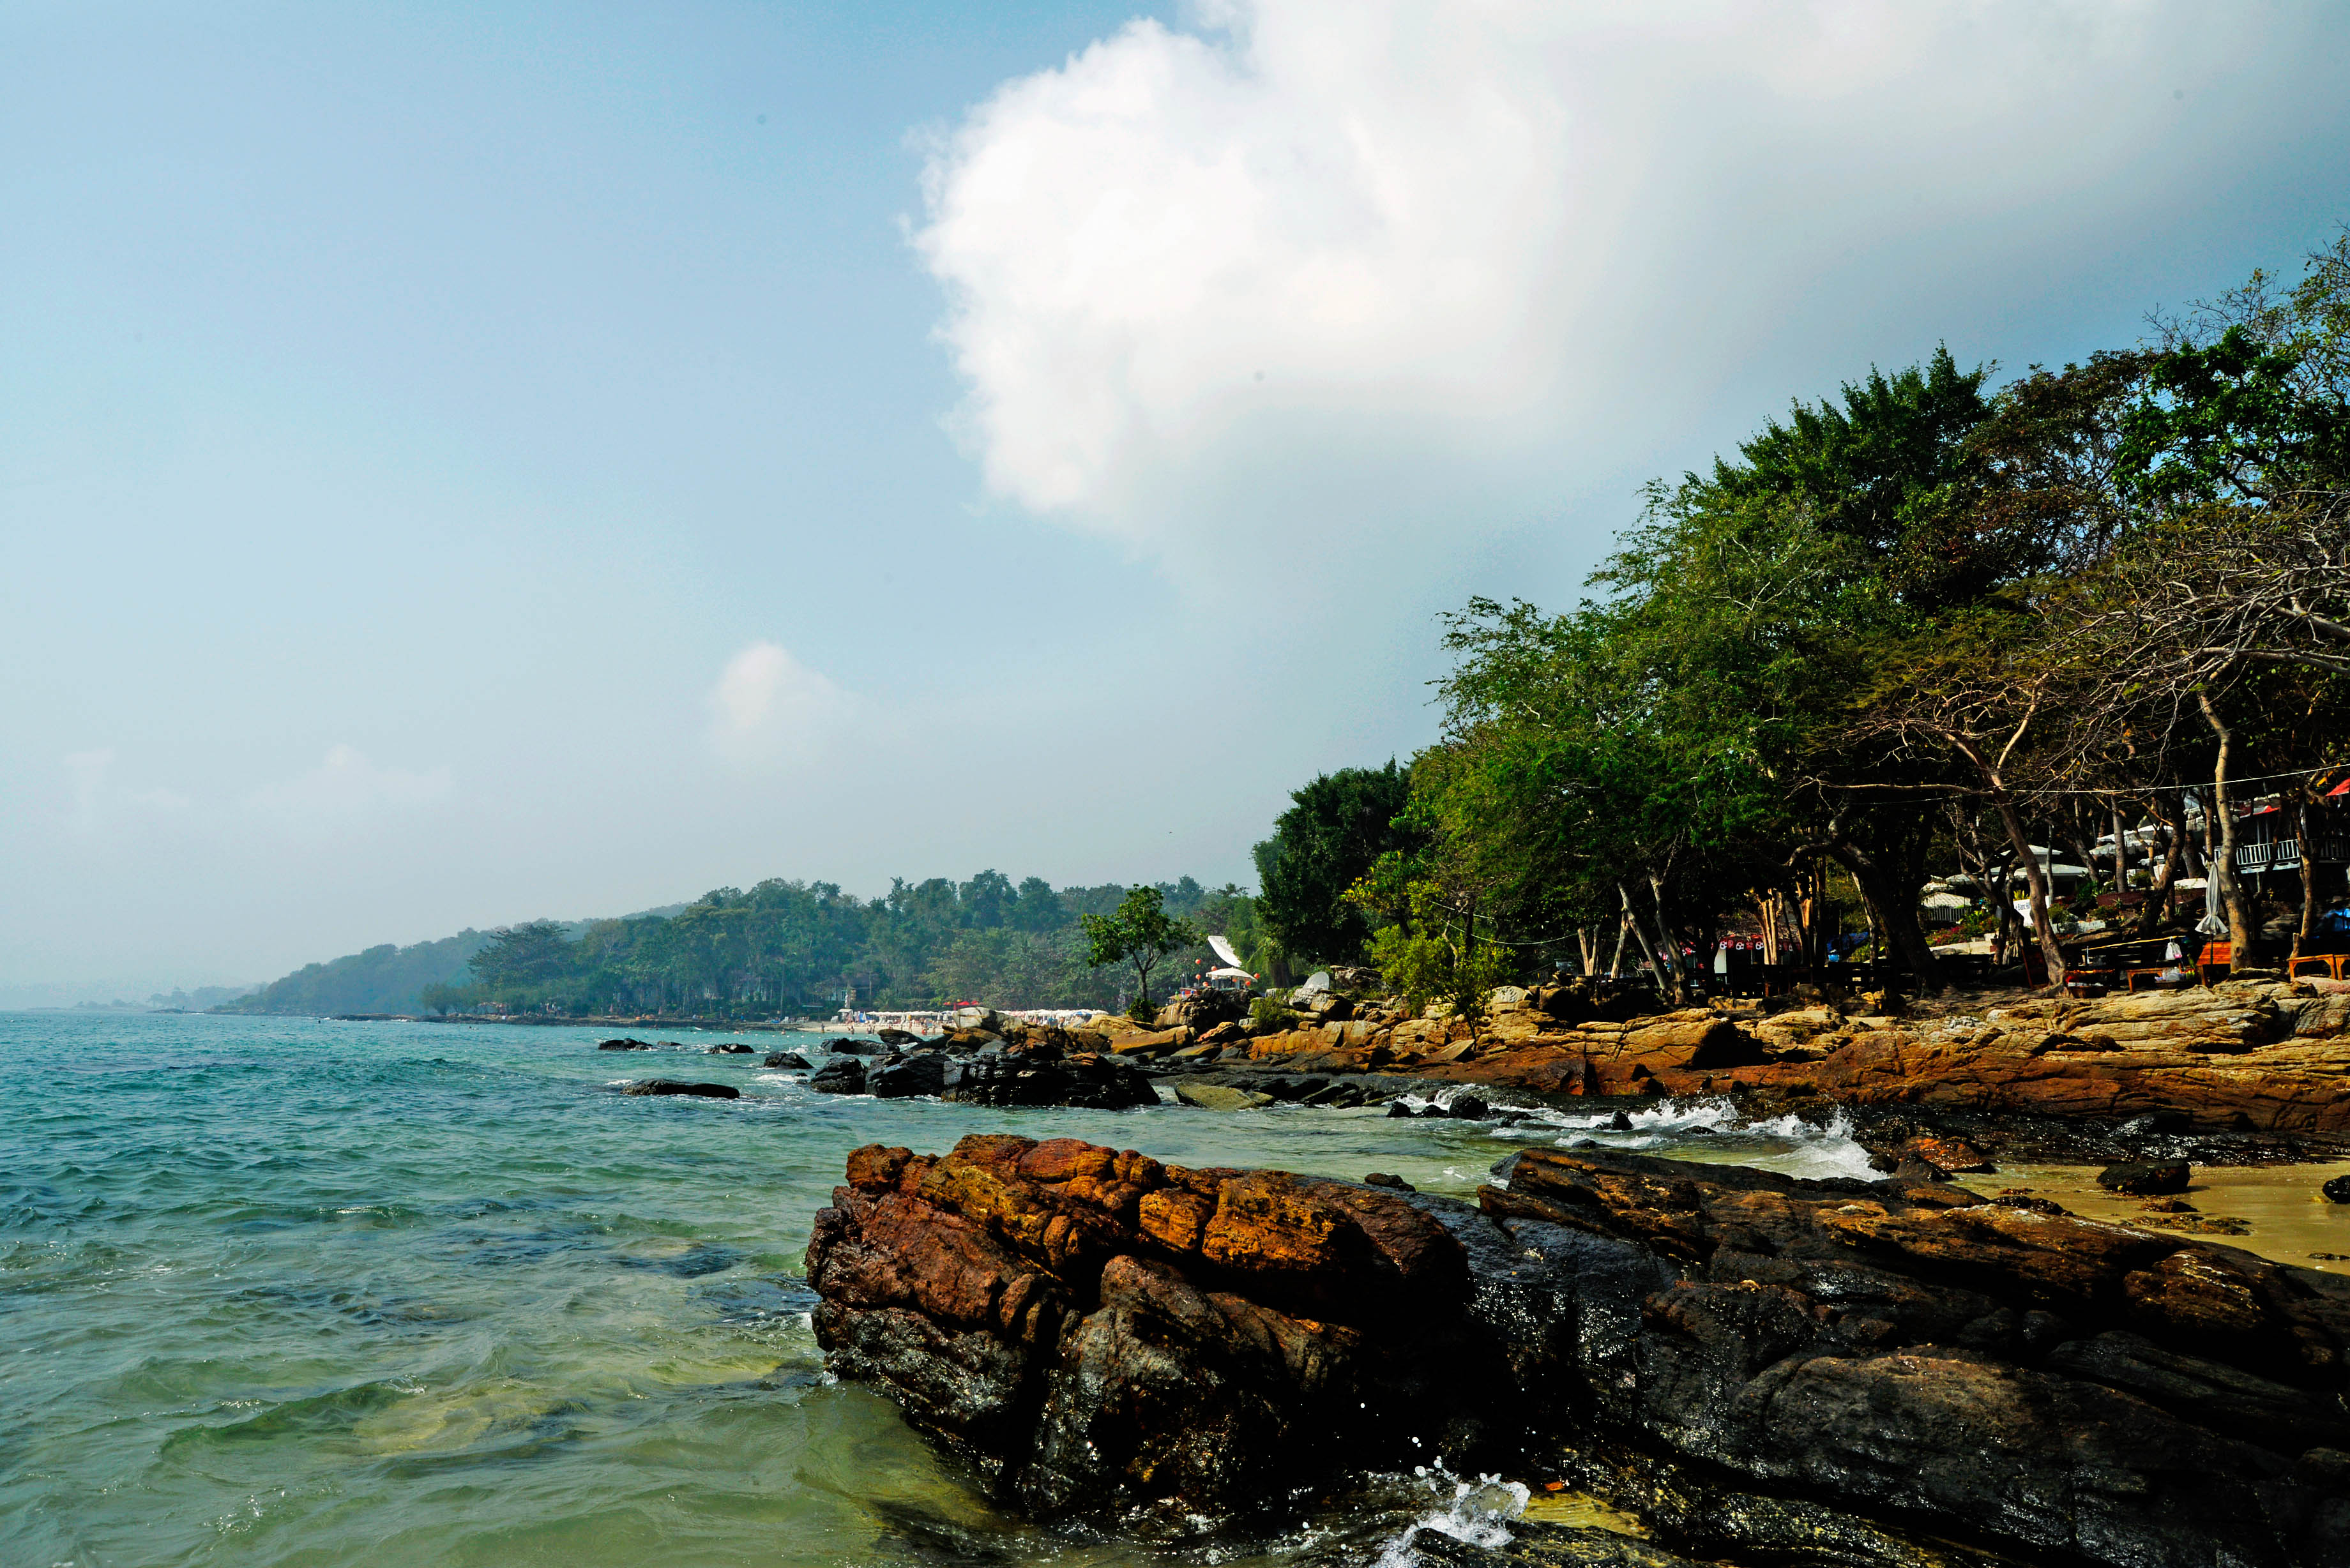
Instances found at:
x=782 y=947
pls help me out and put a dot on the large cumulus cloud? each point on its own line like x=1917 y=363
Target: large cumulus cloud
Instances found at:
x=1315 y=272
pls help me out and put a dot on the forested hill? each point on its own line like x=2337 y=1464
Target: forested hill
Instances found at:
x=385 y=979
x=782 y=946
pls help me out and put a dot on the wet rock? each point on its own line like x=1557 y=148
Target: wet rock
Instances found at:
x=732 y=1048
x=2026 y=1200
x=1911 y=1171
x=1546 y=1546
x=2337 y=1190
x=1620 y=1122
x=1013 y=1079
x=841 y=1076
x=1468 y=1108
x=1949 y=1154
x=1221 y=1097
x=850 y=1045
x=2145 y=1179
x=2156 y=1124
x=624 y=1045
x=674 y=1086
x=886 y=1037
x=1387 y=1179
x=1766 y=1369
x=785 y=1059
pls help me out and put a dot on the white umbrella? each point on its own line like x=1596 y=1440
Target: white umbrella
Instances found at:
x=2213 y=923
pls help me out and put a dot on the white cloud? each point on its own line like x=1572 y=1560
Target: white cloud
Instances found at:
x=1325 y=268
x=768 y=708
x=347 y=787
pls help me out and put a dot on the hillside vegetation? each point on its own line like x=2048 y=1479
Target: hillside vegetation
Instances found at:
x=780 y=948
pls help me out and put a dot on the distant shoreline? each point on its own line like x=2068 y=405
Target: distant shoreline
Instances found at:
x=764 y=1025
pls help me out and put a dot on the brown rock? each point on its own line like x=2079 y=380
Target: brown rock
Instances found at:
x=1152 y=1345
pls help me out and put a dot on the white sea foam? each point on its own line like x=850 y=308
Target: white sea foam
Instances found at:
x=1478 y=1513
x=1710 y=1129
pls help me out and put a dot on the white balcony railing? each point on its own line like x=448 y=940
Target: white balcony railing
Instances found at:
x=2284 y=853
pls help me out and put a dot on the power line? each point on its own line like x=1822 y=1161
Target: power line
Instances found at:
x=2156 y=789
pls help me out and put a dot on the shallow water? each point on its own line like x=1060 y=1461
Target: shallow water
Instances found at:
x=2287 y=1219
x=296 y=1292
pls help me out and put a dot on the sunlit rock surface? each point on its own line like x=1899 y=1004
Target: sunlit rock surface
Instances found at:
x=1104 y=1336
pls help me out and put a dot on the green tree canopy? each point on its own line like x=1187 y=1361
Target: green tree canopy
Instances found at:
x=1334 y=829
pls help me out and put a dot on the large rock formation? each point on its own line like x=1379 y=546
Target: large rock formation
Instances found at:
x=2254 y=1054
x=1103 y=1335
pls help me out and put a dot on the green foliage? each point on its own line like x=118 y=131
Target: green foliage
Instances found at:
x=1267 y=1014
x=779 y=947
x=1141 y=933
x=446 y=998
x=384 y=979
x=1845 y=649
x=1334 y=829
x=1889 y=471
x=1139 y=1010
x=1429 y=955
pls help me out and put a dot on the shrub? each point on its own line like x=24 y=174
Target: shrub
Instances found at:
x=1269 y=1015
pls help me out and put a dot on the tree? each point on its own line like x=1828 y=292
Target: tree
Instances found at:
x=444 y=999
x=1333 y=830
x=1141 y=933
x=525 y=955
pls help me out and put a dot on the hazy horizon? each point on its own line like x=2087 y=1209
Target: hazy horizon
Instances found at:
x=459 y=465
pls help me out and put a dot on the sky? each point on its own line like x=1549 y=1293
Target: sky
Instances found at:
x=467 y=464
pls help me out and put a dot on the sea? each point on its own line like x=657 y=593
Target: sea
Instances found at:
x=300 y=1291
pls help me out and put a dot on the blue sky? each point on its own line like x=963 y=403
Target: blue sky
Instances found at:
x=464 y=464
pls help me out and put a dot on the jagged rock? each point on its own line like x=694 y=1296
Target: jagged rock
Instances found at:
x=1386 y=1179
x=624 y=1045
x=1949 y=1154
x=1007 y=1079
x=672 y=1087
x=841 y=1076
x=2262 y=1055
x=850 y=1045
x=2337 y=1190
x=785 y=1059
x=1157 y=1043
x=891 y=1037
x=1762 y=1369
x=2143 y=1178
x=732 y=1048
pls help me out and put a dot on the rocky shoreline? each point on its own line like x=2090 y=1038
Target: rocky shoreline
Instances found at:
x=1755 y=1367
x=2258 y=1069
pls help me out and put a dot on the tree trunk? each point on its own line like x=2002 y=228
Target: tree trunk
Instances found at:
x=2121 y=862
x=2158 y=885
x=1883 y=899
x=2243 y=937
x=2305 y=826
x=1632 y=921
x=2035 y=878
x=1676 y=982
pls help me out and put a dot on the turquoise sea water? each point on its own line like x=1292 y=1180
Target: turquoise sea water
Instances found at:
x=298 y=1291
